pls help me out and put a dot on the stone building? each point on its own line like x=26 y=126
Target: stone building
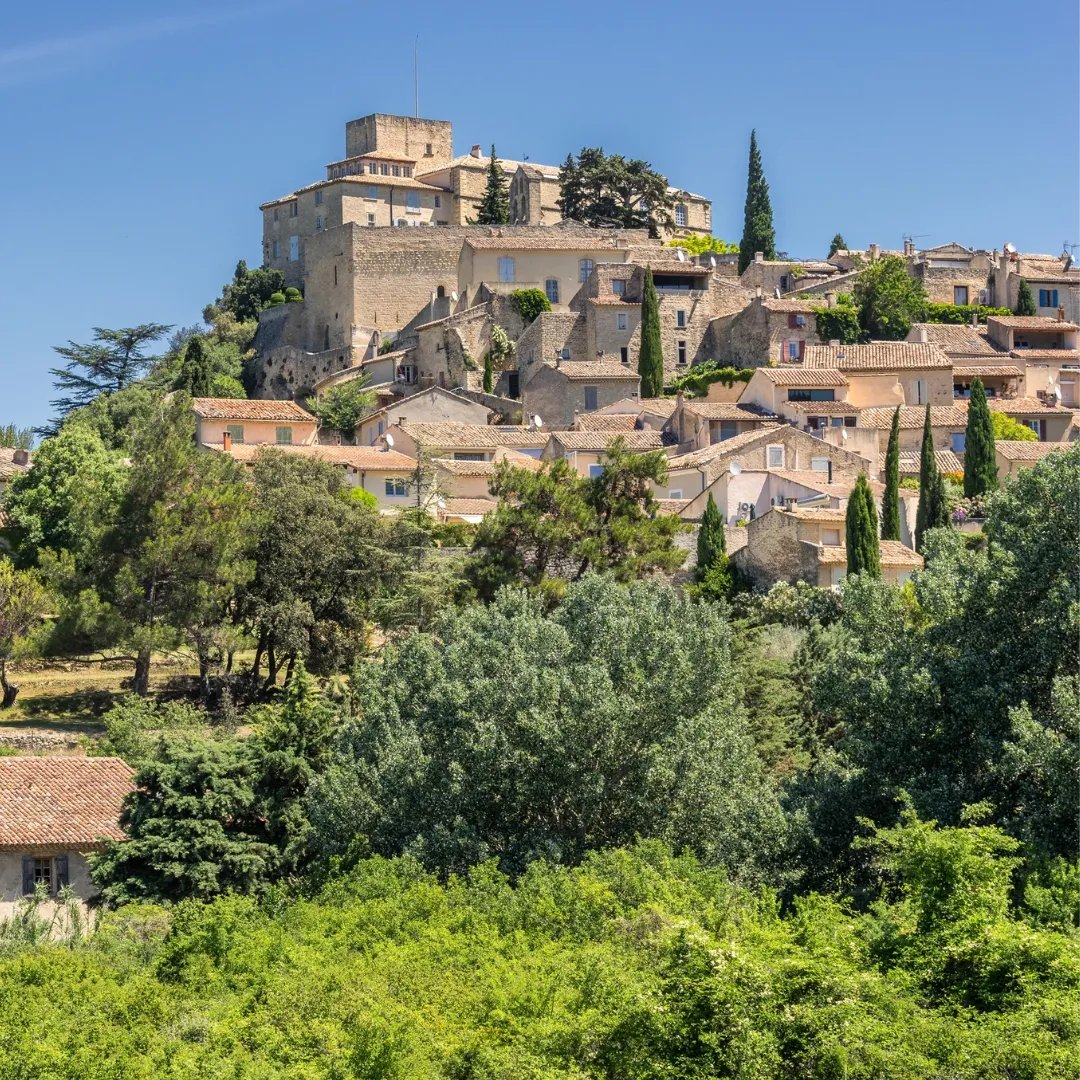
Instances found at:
x=923 y=370
x=559 y=392
x=954 y=274
x=696 y=423
x=232 y=422
x=765 y=331
x=1054 y=282
x=587 y=450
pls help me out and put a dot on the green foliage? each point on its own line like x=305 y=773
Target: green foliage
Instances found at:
x=651 y=355
x=758 y=233
x=276 y=299
x=696 y=381
x=502 y=348
x=960 y=314
x=495 y=203
x=890 y=501
x=861 y=531
x=195 y=373
x=840 y=322
x=24 y=602
x=711 y=541
x=489 y=374
x=601 y=190
x=16 y=437
x=1006 y=428
x=889 y=299
x=838 y=243
x=135 y=725
x=554 y=525
x=620 y=719
x=933 y=512
x=980 y=460
x=530 y=303
x=704 y=244
x=293 y=295
x=227 y=386
x=249 y=292
x=344 y=405
x=1025 y=301
x=387 y=345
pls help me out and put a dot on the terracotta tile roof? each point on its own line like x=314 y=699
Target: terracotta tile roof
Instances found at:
x=1025 y=405
x=893 y=554
x=1029 y=451
x=467 y=161
x=9 y=468
x=588 y=370
x=247 y=409
x=556 y=241
x=801 y=307
x=599 y=422
x=658 y=406
x=728 y=410
x=61 y=802
x=467 y=507
x=679 y=268
x=818 y=513
x=599 y=440
x=876 y=356
x=960 y=340
x=1032 y=322
x=1066 y=356
x=709 y=454
x=487 y=468
x=801 y=376
x=914 y=416
x=817 y=480
x=365 y=179
x=910 y=462
x=452 y=435
x=969 y=371
x=356 y=457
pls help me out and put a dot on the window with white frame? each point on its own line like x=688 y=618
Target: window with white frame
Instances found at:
x=551 y=289
x=372 y=168
x=395 y=170
x=775 y=456
x=396 y=487
x=624 y=354
x=682 y=354
x=584 y=269
x=793 y=350
x=384 y=169
x=412 y=202
x=620 y=321
x=506 y=268
x=680 y=214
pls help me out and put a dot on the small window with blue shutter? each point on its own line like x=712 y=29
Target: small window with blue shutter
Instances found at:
x=959 y=438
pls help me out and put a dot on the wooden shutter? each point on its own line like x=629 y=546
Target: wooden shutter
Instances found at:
x=792 y=324
x=802 y=345
x=27 y=874
x=62 y=878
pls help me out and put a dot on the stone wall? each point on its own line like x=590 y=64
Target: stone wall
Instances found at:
x=772 y=552
x=404 y=136
x=558 y=399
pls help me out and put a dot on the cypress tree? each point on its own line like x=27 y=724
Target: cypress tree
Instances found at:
x=1025 y=302
x=838 y=244
x=711 y=541
x=890 y=502
x=933 y=512
x=651 y=357
x=980 y=458
x=758 y=233
x=861 y=536
x=495 y=205
x=489 y=373
x=195 y=370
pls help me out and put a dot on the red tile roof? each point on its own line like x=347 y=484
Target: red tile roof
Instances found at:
x=356 y=457
x=1032 y=322
x=639 y=441
x=877 y=356
x=48 y=803
x=1016 y=450
x=245 y=409
x=800 y=376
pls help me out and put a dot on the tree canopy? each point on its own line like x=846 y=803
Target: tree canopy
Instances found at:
x=495 y=205
x=889 y=299
x=651 y=349
x=601 y=190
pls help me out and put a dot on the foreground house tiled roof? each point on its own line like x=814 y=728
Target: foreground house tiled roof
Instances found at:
x=728 y=410
x=877 y=356
x=969 y=371
x=914 y=416
x=708 y=454
x=960 y=339
x=1012 y=450
x=600 y=440
x=1032 y=322
x=70 y=803
x=893 y=554
x=910 y=461
x=599 y=422
x=356 y=457
x=247 y=409
x=588 y=370
x=800 y=376
x=453 y=434
x=487 y=468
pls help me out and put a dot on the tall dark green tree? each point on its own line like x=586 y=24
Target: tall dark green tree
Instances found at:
x=495 y=205
x=604 y=190
x=861 y=531
x=711 y=541
x=838 y=244
x=1025 y=302
x=758 y=233
x=890 y=502
x=489 y=373
x=933 y=513
x=195 y=375
x=980 y=457
x=651 y=357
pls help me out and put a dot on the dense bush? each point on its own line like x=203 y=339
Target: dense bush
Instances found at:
x=962 y=313
x=530 y=303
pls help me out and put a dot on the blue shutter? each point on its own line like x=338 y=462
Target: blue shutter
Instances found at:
x=1053 y=298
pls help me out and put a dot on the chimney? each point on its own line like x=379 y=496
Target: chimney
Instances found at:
x=790 y=502
x=975 y=319
x=834 y=342
x=759 y=256
x=875 y=252
x=757 y=293
x=678 y=398
x=830 y=299
x=476 y=151
x=21 y=457
x=1061 y=314
x=226 y=442
x=921 y=335
x=909 y=248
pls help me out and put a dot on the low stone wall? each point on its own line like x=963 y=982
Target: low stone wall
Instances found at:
x=37 y=742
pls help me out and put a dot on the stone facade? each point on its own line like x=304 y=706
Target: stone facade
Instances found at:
x=554 y=335
x=559 y=392
x=766 y=331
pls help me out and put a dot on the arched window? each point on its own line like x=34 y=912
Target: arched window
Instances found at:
x=440 y=292
x=585 y=266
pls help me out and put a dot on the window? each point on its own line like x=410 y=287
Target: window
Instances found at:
x=427 y=150
x=318 y=198
x=551 y=288
x=620 y=321
x=277 y=249
x=618 y=286
x=680 y=214
x=595 y=471
x=275 y=213
x=674 y=493
x=819 y=464
x=830 y=537
x=468 y=456
x=43 y=874
x=849 y=421
x=728 y=430
x=293 y=210
x=960 y=294
x=294 y=248
x=838 y=421
x=564 y=354
x=680 y=319
x=775 y=459
x=800 y=321
x=918 y=392
x=506 y=268
x=959 y=439
x=624 y=355
x=372 y=168
x=395 y=170
x=372 y=191
x=590 y=398
x=793 y=350
x=384 y=169
x=438 y=201
x=412 y=201
x=283 y=436
x=406 y=171
x=584 y=269
x=802 y=393
x=318 y=224
x=395 y=486
x=52 y=873
x=682 y=354
x=236 y=432
x=371 y=219
x=1048 y=298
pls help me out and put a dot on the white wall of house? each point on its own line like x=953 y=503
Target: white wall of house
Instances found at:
x=11 y=873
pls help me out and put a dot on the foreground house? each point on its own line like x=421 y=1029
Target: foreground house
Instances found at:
x=53 y=813
x=1014 y=456
x=226 y=422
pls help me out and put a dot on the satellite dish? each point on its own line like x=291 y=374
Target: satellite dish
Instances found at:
x=1010 y=248
x=843 y=434
x=389 y=439
x=680 y=255
x=712 y=260
x=734 y=468
x=453 y=296
x=537 y=422
x=1057 y=392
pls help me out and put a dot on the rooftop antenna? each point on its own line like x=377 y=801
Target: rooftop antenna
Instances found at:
x=416 y=79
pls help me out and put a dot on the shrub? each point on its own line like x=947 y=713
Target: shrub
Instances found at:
x=386 y=346
x=294 y=295
x=529 y=303
x=961 y=313
x=276 y=299
x=700 y=377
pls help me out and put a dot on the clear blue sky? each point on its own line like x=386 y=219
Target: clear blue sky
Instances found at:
x=138 y=140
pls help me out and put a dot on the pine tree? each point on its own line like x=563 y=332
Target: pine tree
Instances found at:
x=195 y=370
x=758 y=233
x=495 y=205
x=489 y=373
x=838 y=244
x=890 y=502
x=651 y=357
x=711 y=541
x=980 y=457
x=933 y=513
x=861 y=535
x=1025 y=302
